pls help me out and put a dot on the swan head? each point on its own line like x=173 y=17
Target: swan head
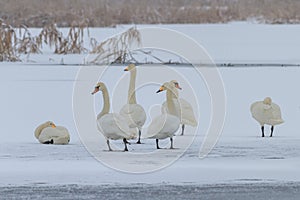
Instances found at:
x=168 y=86
x=50 y=124
x=176 y=84
x=99 y=87
x=130 y=67
x=267 y=101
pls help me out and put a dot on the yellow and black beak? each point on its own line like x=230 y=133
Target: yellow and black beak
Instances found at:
x=53 y=125
x=126 y=69
x=96 y=90
x=160 y=89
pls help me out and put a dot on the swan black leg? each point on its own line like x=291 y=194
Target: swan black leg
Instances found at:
x=263 y=131
x=49 y=142
x=157 y=144
x=171 y=139
x=139 y=140
x=107 y=142
x=182 y=128
x=125 y=143
x=272 y=129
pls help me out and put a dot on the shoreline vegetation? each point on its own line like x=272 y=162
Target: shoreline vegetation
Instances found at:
x=109 y=13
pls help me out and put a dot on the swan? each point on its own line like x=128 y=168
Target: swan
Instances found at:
x=186 y=116
x=166 y=124
x=266 y=112
x=134 y=113
x=49 y=133
x=112 y=125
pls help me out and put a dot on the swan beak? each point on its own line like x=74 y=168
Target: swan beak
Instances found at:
x=126 y=69
x=160 y=89
x=177 y=86
x=53 y=126
x=96 y=90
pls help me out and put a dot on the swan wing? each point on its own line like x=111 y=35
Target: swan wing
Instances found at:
x=59 y=135
x=163 y=126
x=134 y=114
x=114 y=126
x=187 y=114
x=266 y=114
x=184 y=111
x=276 y=115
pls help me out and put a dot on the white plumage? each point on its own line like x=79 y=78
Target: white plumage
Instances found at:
x=266 y=112
x=134 y=113
x=48 y=133
x=165 y=125
x=113 y=126
x=184 y=110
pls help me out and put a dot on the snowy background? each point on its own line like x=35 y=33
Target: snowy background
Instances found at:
x=33 y=92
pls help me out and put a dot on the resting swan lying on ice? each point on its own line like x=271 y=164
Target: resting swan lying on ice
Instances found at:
x=266 y=112
x=48 y=133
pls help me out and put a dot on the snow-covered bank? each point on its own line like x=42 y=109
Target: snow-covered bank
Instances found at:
x=239 y=42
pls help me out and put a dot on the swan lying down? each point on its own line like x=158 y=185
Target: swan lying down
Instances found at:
x=49 y=133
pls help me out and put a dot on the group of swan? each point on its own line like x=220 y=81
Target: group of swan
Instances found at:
x=49 y=133
x=132 y=116
x=266 y=112
x=129 y=122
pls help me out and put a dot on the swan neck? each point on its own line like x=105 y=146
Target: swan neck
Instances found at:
x=172 y=95
x=39 y=129
x=131 y=90
x=106 y=104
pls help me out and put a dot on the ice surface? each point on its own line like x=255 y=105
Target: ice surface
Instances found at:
x=32 y=93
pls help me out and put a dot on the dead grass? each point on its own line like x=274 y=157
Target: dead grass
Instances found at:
x=116 y=49
x=39 y=13
x=8 y=39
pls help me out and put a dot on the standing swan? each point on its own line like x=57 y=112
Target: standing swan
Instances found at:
x=112 y=125
x=266 y=112
x=184 y=108
x=48 y=133
x=134 y=113
x=166 y=124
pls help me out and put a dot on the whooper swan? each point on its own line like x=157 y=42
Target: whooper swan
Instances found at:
x=134 y=113
x=166 y=124
x=266 y=112
x=112 y=125
x=49 y=133
x=184 y=109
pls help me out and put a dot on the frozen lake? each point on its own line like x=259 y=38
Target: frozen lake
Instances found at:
x=241 y=165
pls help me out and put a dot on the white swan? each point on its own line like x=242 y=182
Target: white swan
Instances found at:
x=134 y=113
x=184 y=109
x=166 y=124
x=48 y=133
x=266 y=112
x=112 y=125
